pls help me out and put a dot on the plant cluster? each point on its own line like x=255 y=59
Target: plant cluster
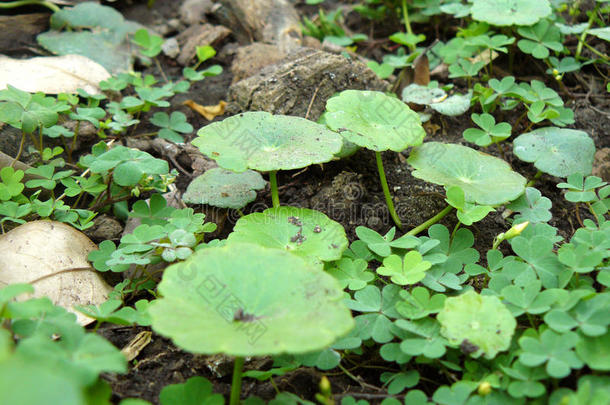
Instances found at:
x=525 y=324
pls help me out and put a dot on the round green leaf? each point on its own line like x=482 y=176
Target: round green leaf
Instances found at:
x=301 y=231
x=264 y=142
x=224 y=188
x=455 y=105
x=557 y=151
x=485 y=179
x=247 y=300
x=418 y=94
x=510 y=12
x=480 y=324
x=374 y=120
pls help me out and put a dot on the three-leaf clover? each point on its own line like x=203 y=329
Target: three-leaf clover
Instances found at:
x=407 y=270
x=489 y=133
x=171 y=125
x=10 y=183
x=352 y=274
x=150 y=44
x=377 y=307
x=556 y=350
x=539 y=38
x=382 y=245
x=418 y=303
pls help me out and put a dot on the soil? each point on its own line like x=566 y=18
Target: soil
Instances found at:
x=349 y=192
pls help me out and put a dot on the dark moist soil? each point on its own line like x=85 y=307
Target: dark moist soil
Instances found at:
x=349 y=192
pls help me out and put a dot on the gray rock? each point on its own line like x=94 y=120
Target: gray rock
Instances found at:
x=270 y=21
x=250 y=59
x=171 y=48
x=305 y=77
x=194 y=11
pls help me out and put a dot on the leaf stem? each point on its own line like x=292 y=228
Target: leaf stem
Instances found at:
x=431 y=221
x=20 y=149
x=386 y=190
x=275 y=198
x=405 y=14
x=236 y=383
x=12 y=4
x=533 y=180
x=583 y=36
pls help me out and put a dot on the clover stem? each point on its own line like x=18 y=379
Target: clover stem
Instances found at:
x=405 y=14
x=236 y=383
x=431 y=221
x=20 y=149
x=583 y=36
x=12 y=4
x=533 y=180
x=386 y=190
x=275 y=199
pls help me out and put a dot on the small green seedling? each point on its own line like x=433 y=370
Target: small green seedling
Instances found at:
x=377 y=122
x=247 y=300
x=301 y=231
x=489 y=133
x=557 y=151
x=223 y=188
x=267 y=143
x=172 y=126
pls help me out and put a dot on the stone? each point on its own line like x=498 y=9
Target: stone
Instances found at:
x=302 y=82
x=199 y=35
x=250 y=59
x=270 y=21
x=194 y=11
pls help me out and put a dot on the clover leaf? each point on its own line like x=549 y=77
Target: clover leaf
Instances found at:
x=377 y=308
x=528 y=298
x=100 y=257
x=595 y=351
x=581 y=189
x=382 y=245
x=527 y=380
x=539 y=38
x=457 y=394
x=352 y=274
x=485 y=180
x=449 y=256
x=537 y=252
x=556 y=350
x=589 y=316
x=467 y=213
x=398 y=382
x=227 y=290
x=224 y=188
x=129 y=165
x=418 y=303
x=424 y=338
x=10 y=183
x=532 y=207
x=171 y=125
x=301 y=231
x=195 y=391
x=150 y=44
x=480 y=322
x=557 y=151
x=374 y=120
x=489 y=133
x=404 y=271
x=510 y=12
